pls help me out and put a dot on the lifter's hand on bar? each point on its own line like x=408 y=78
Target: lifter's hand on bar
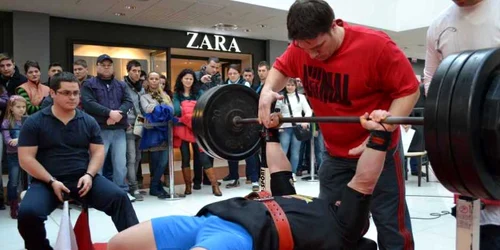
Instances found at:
x=267 y=97
x=373 y=121
x=274 y=120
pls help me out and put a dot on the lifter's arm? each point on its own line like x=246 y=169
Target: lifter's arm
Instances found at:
x=275 y=156
x=371 y=162
x=278 y=164
x=275 y=82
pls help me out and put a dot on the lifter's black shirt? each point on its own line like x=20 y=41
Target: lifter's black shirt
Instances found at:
x=311 y=221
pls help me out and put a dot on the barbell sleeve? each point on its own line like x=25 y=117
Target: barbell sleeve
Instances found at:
x=335 y=119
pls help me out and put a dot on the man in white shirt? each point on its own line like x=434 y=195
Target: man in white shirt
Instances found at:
x=467 y=25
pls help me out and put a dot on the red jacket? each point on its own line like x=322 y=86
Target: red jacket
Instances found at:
x=184 y=132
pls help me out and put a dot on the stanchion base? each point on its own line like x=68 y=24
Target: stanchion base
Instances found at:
x=175 y=197
x=309 y=179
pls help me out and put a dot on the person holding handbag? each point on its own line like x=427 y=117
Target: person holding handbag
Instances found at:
x=291 y=134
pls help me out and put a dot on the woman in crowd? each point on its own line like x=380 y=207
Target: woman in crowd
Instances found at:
x=11 y=127
x=158 y=161
x=185 y=97
x=33 y=91
x=234 y=77
x=293 y=105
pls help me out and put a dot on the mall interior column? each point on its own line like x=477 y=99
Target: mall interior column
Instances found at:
x=274 y=49
x=31 y=39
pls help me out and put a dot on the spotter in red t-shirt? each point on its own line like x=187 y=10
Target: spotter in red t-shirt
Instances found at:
x=366 y=73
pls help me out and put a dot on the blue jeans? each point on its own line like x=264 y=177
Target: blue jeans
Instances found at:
x=251 y=169
x=40 y=201
x=158 y=163
x=414 y=162
x=319 y=148
x=13 y=165
x=288 y=140
x=116 y=139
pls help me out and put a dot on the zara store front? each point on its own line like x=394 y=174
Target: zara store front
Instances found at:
x=165 y=51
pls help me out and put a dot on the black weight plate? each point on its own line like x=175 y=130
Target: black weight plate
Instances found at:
x=444 y=126
x=431 y=122
x=197 y=120
x=221 y=137
x=436 y=123
x=490 y=133
x=466 y=123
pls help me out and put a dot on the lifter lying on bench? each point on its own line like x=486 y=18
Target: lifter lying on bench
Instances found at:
x=258 y=222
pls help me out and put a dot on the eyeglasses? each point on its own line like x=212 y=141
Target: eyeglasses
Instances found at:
x=68 y=93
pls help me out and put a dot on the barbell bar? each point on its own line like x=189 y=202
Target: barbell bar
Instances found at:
x=461 y=123
x=336 y=119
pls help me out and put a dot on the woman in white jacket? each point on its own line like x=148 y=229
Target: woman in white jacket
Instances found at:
x=294 y=104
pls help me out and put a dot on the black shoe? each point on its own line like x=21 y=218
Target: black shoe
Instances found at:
x=2 y=205
x=236 y=183
x=163 y=196
x=196 y=186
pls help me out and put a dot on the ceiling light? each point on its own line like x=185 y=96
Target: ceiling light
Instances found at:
x=247 y=30
x=262 y=25
x=119 y=14
x=130 y=7
x=225 y=26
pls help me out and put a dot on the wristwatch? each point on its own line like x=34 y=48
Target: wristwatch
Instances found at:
x=52 y=179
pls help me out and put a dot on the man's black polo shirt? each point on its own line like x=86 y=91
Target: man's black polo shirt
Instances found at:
x=63 y=150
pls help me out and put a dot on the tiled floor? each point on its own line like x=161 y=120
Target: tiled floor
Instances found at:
x=429 y=234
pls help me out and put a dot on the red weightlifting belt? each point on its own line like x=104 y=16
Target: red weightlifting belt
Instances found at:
x=280 y=221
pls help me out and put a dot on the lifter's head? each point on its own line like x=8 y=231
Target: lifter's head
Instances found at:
x=311 y=27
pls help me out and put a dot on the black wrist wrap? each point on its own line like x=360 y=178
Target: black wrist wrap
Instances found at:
x=379 y=140
x=271 y=135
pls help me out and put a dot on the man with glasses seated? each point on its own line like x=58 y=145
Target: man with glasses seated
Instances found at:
x=61 y=147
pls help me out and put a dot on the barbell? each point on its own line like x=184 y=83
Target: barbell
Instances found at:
x=461 y=125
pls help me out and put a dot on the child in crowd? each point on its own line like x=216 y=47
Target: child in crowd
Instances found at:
x=11 y=125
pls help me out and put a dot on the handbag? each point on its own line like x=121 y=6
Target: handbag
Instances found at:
x=300 y=133
x=139 y=125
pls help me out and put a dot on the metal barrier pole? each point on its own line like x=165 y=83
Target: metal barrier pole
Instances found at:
x=173 y=195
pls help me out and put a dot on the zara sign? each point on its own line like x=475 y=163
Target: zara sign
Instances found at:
x=218 y=43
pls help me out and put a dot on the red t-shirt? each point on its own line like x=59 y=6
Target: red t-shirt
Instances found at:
x=366 y=73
